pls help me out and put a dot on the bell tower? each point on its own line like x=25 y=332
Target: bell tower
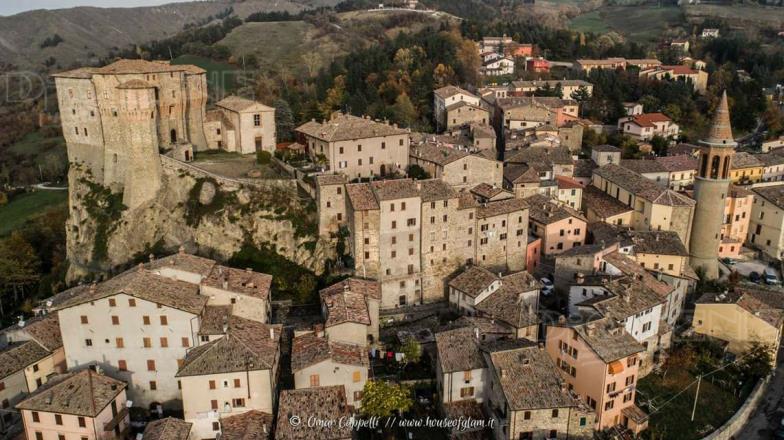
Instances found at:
x=710 y=191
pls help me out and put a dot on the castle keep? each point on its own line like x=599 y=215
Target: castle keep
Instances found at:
x=117 y=118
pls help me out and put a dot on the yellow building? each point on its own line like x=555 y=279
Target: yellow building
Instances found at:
x=741 y=317
x=746 y=169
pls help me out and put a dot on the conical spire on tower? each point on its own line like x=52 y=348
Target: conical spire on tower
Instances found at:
x=721 y=130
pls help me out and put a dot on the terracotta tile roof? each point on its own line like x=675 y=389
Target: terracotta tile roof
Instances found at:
x=608 y=340
x=309 y=349
x=517 y=173
x=649 y=119
x=44 y=330
x=458 y=350
x=485 y=324
x=743 y=160
x=549 y=102
x=529 y=378
x=659 y=243
x=394 y=189
x=246 y=282
x=770 y=159
x=501 y=207
x=439 y=155
x=330 y=179
x=19 y=355
x=184 y=262
x=681 y=162
x=250 y=425
x=361 y=197
x=641 y=186
x=240 y=104
x=167 y=429
x=739 y=192
x=643 y=166
x=449 y=91
x=504 y=304
x=473 y=280
x=542 y=155
x=347 y=301
x=343 y=127
x=566 y=182
x=466 y=200
x=431 y=190
x=631 y=268
x=721 y=130
x=486 y=191
x=246 y=341
x=538 y=83
x=605 y=148
x=213 y=318
x=543 y=209
x=325 y=403
x=129 y=66
x=682 y=148
x=464 y=409
x=146 y=285
x=601 y=203
x=773 y=194
x=84 y=393
x=627 y=297
x=584 y=168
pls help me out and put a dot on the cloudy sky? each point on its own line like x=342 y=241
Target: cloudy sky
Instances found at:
x=10 y=7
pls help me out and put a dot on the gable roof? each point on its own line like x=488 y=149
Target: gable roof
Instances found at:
x=169 y=428
x=309 y=349
x=543 y=209
x=449 y=91
x=608 y=340
x=458 y=350
x=766 y=305
x=19 y=355
x=346 y=301
x=473 y=280
x=245 y=341
x=505 y=304
x=322 y=403
x=641 y=186
x=649 y=119
x=240 y=104
x=83 y=393
x=345 y=127
x=246 y=282
x=130 y=66
x=250 y=425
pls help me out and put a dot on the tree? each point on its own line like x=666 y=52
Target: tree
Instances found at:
x=335 y=97
x=18 y=266
x=757 y=361
x=443 y=76
x=404 y=110
x=382 y=399
x=284 y=120
x=659 y=145
x=412 y=350
x=416 y=172
x=581 y=95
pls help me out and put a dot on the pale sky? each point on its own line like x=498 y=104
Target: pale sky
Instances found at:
x=10 y=7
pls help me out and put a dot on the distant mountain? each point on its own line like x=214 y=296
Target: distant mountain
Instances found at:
x=87 y=33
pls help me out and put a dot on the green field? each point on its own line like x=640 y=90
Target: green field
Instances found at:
x=219 y=75
x=27 y=206
x=642 y=24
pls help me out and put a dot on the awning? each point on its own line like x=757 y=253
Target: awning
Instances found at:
x=616 y=367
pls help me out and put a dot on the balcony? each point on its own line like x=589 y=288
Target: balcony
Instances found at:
x=116 y=420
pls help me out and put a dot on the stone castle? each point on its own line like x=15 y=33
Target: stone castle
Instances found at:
x=118 y=118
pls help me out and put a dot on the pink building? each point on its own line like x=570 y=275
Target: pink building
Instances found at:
x=84 y=405
x=533 y=254
x=559 y=226
x=600 y=360
x=737 y=213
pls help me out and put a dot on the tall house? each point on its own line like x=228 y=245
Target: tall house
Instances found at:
x=356 y=147
x=710 y=189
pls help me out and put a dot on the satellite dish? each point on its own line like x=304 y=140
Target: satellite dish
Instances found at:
x=128 y=403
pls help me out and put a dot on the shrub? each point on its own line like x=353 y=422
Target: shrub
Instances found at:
x=263 y=157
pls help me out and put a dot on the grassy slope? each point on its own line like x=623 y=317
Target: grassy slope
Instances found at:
x=27 y=206
x=643 y=24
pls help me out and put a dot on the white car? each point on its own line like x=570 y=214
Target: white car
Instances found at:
x=547 y=286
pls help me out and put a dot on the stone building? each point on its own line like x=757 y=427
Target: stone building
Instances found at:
x=331 y=203
x=351 y=311
x=411 y=235
x=710 y=190
x=448 y=100
x=322 y=403
x=116 y=119
x=356 y=147
x=168 y=428
x=253 y=123
x=458 y=167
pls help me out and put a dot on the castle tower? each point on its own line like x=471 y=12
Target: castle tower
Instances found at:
x=710 y=190
x=143 y=167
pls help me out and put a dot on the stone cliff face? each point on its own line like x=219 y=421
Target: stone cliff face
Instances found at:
x=206 y=214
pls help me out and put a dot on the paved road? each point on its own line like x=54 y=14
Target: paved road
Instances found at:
x=768 y=414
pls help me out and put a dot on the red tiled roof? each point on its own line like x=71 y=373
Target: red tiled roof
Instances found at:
x=648 y=119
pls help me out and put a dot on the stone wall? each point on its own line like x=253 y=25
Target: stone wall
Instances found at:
x=225 y=214
x=728 y=430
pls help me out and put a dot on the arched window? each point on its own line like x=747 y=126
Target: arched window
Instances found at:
x=704 y=170
x=726 y=171
x=715 y=163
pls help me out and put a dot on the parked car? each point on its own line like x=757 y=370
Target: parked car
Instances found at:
x=728 y=261
x=547 y=286
x=754 y=277
x=771 y=277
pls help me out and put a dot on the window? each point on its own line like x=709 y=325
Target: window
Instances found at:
x=147 y=342
x=553 y=433
x=88 y=342
x=633 y=360
x=527 y=415
x=84 y=319
x=150 y=365
x=257 y=120
x=164 y=342
x=39 y=436
x=112 y=302
x=35 y=417
x=238 y=403
x=153 y=385
x=186 y=342
x=35 y=368
x=119 y=343
x=122 y=366
x=60 y=437
x=356 y=376
x=58 y=419
x=629 y=380
x=216 y=425
x=609 y=405
x=146 y=320
x=394 y=224
x=236 y=383
x=131 y=302
x=411 y=222
x=82 y=422
x=212 y=384
x=466 y=392
x=314 y=380
x=115 y=320
x=582 y=421
x=610 y=387
x=164 y=320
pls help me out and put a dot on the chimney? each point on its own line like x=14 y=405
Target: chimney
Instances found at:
x=152 y=258
x=561 y=319
x=272 y=333
x=580 y=278
x=503 y=373
x=140 y=267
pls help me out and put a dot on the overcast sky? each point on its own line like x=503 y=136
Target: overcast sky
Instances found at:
x=10 y=7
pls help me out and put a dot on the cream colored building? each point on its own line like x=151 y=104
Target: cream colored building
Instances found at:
x=448 y=100
x=351 y=311
x=84 y=405
x=654 y=208
x=587 y=65
x=461 y=373
x=697 y=78
x=568 y=86
x=253 y=124
x=766 y=227
x=317 y=361
x=24 y=367
x=356 y=147
x=741 y=317
x=230 y=375
x=458 y=167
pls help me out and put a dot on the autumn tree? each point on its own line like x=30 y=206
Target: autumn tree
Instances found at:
x=18 y=266
x=382 y=399
x=335 y=97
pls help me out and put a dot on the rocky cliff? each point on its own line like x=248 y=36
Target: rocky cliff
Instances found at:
x=208 y=214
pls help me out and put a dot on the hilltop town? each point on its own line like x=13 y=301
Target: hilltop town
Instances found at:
x=514 y=267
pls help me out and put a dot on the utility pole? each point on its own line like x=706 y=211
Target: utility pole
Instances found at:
x=696 y=396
